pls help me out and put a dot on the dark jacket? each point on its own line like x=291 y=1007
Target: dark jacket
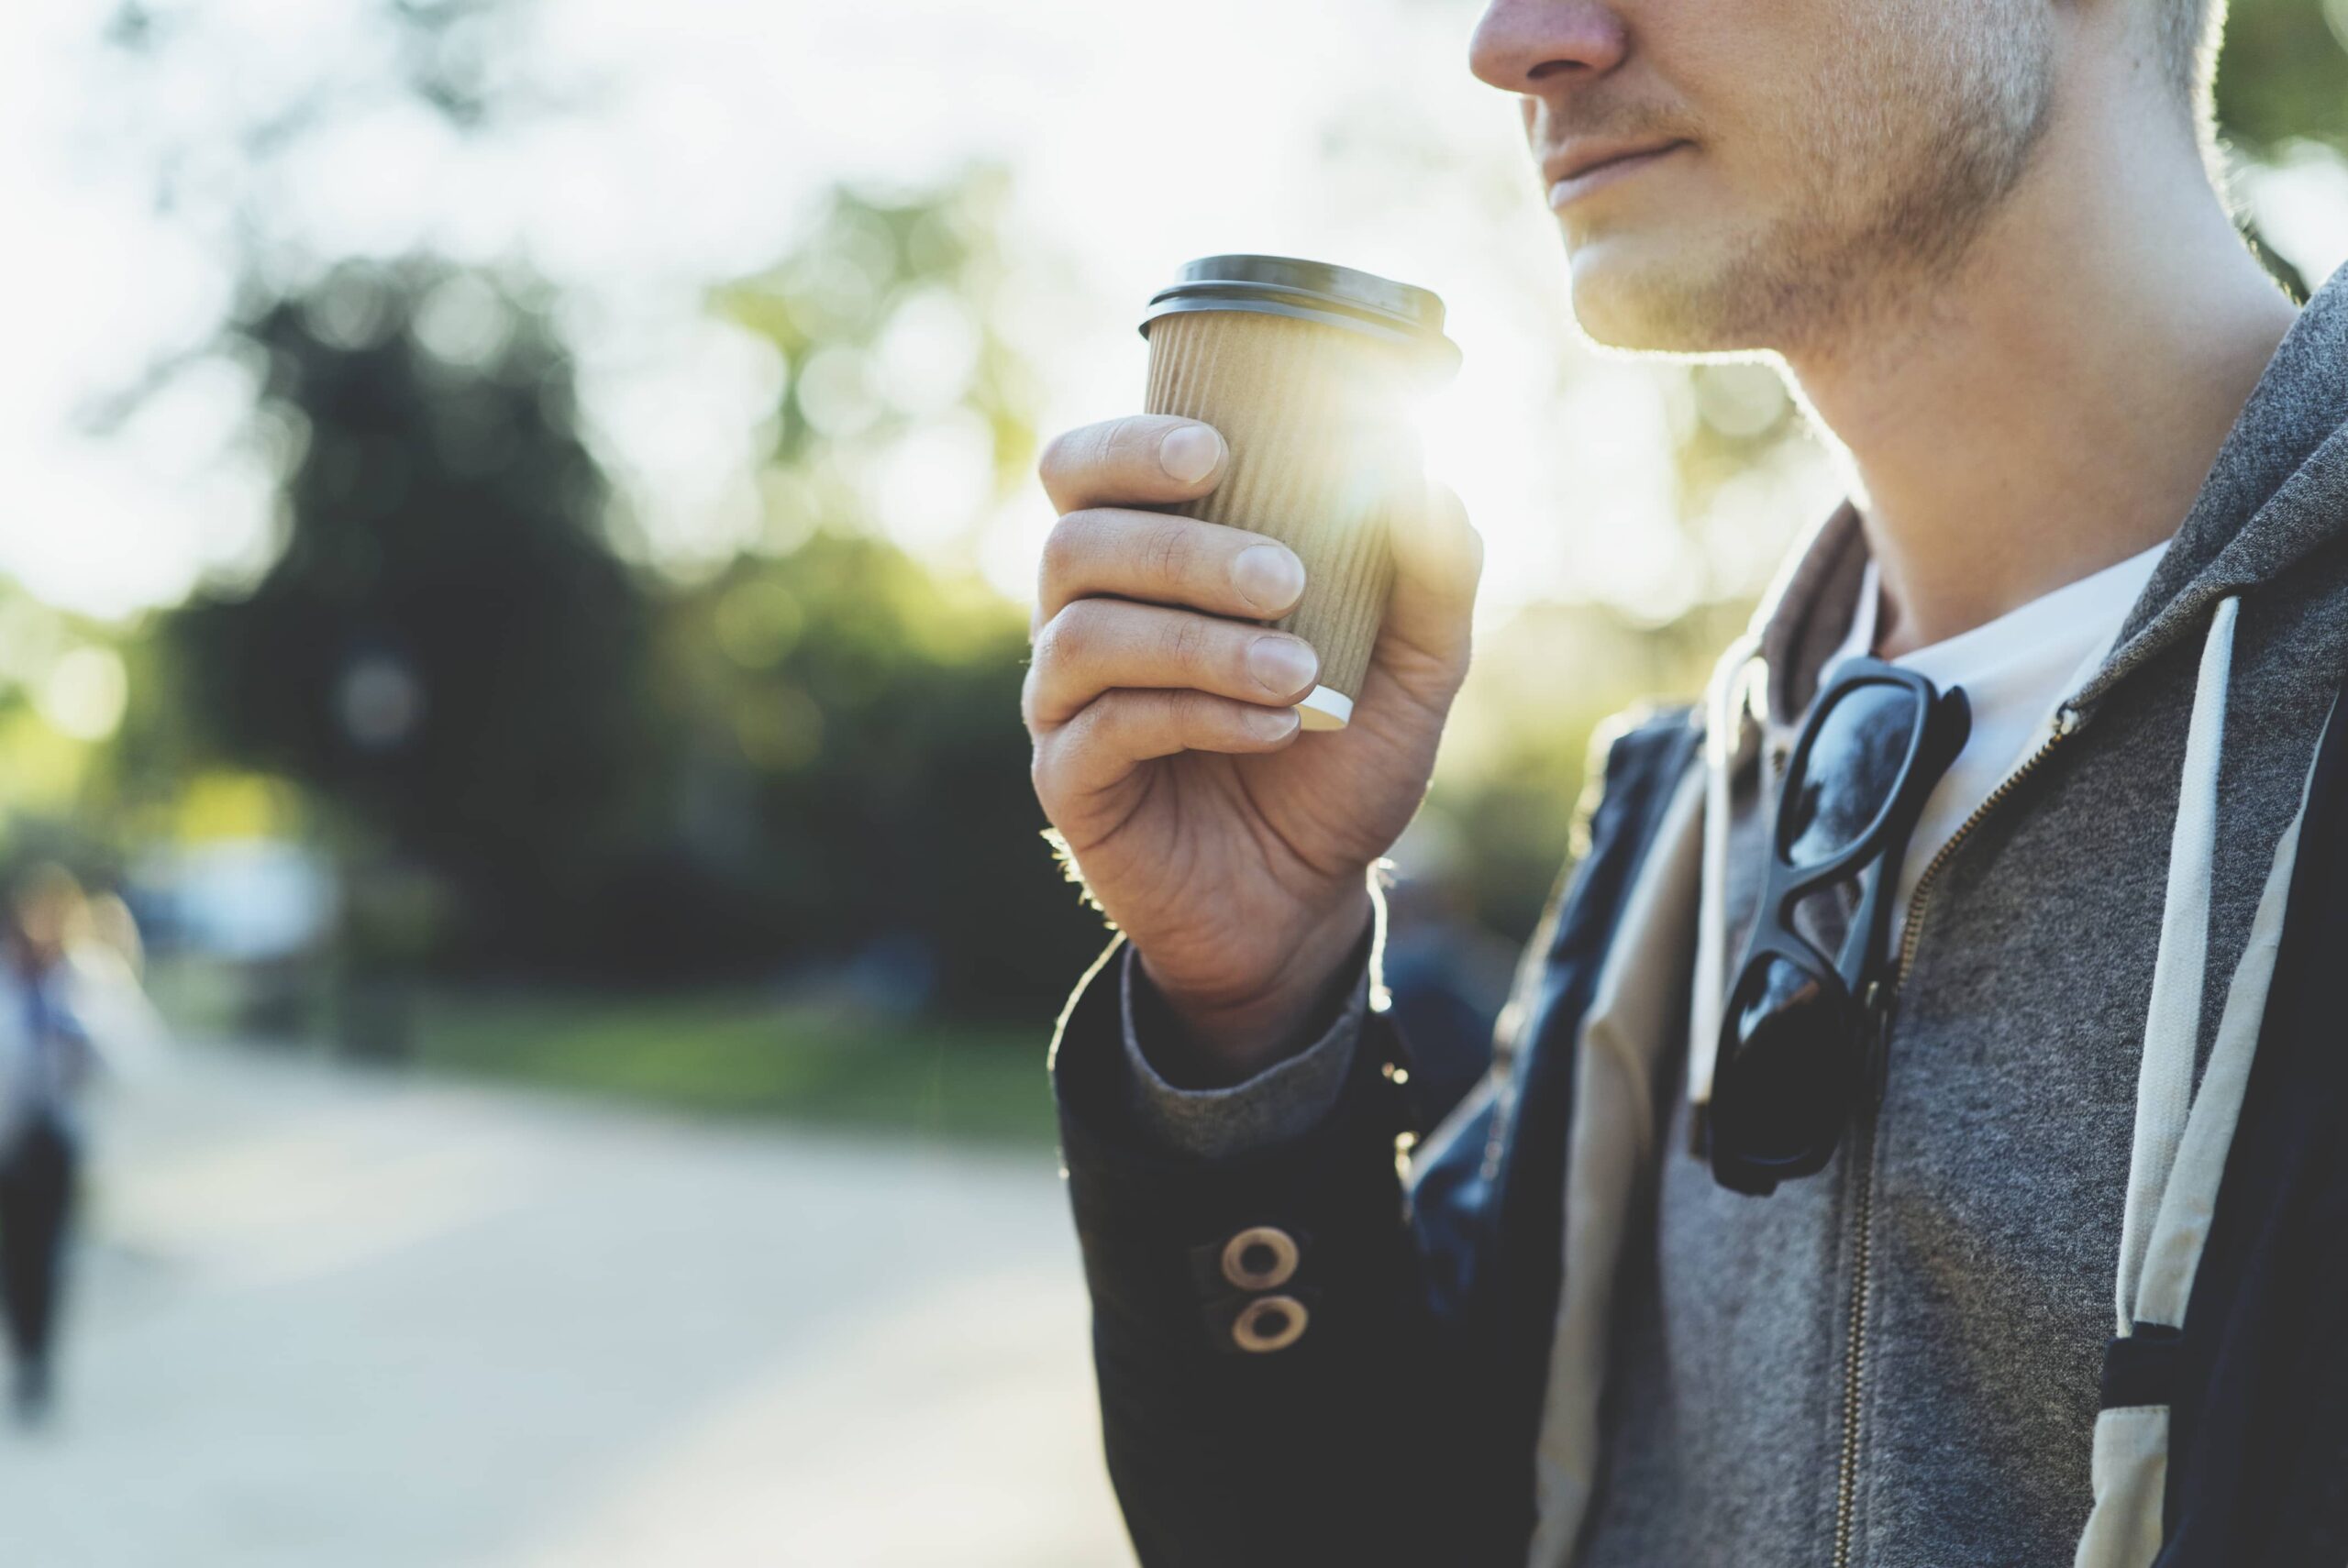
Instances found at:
x=1398 y=1428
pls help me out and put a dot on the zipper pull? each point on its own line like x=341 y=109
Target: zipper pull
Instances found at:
x=1877 y=1003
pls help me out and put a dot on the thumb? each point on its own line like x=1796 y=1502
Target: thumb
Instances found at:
x=1438 y=559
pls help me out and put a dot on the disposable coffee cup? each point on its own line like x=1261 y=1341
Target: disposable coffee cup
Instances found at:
x=1309 y=371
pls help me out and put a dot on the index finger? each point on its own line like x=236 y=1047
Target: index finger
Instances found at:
x=1134 y=461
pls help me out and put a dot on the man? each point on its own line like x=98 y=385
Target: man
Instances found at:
x=2069 y=1283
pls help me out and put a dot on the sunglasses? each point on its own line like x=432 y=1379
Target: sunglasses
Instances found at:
x=1802 y=1037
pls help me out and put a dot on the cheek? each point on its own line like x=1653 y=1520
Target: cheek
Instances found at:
x=1772 y=79
x=1790 y=140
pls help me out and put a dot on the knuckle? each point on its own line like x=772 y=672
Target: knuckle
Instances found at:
x=1141 y=718
x=1134 y=439
x=1087 y=731
x=1030 y=703
x=1041 y=769
x=1070 y=637
x=1062 y=456
x=1207 y=721
x=1050 y=648
x=1072 y=461
x=1190 y=642
x=1167 y=551
x=1063 y=549
x=1181 y=713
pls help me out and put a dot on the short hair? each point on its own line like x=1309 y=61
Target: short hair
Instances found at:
x=2189 y=35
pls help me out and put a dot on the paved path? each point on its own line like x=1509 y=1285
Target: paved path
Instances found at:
x=333 y=1320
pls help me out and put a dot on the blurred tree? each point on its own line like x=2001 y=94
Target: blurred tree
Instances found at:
x=1517 y=747
x=856 y=710
x=858 y=757
x=888 y=318
x=2283 y=75
x=64 y=688
x=447 y=647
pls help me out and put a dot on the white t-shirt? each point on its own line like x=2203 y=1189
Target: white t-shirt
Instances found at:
x=2016 y=671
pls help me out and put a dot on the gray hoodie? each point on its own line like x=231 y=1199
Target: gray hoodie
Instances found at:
x=1896 y=1361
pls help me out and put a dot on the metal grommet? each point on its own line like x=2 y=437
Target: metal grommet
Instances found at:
x=1261 y=1258
x=1269 y=1323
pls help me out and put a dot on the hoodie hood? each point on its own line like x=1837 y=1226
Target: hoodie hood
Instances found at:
x=2277 y=493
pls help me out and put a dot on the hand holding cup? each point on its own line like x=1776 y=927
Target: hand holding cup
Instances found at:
x=1166 y=738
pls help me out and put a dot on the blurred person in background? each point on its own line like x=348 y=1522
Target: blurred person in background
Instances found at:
x=46 y=1058
x=105 y=978
x=1878 y=1253
x=114 y=942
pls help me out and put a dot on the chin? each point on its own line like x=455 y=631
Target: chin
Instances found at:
x=1639 y=296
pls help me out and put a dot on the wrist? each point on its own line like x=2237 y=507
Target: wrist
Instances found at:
x=1213 y=1042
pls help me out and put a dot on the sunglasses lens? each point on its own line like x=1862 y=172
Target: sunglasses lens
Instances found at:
x=1782 y=1092
x=1843 y=781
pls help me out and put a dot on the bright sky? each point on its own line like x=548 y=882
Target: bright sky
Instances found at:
x=1348 y=131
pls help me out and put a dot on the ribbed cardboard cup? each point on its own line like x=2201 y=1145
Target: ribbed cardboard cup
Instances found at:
x=1309 y=372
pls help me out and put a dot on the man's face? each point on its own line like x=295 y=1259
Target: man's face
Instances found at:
x=1806 y=162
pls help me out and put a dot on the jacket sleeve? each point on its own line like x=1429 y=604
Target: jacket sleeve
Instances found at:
x=1301 y=1359
x=1282 y=1103
x=1259 y=1330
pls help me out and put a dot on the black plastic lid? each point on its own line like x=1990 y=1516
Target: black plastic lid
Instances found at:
x=1313 y=290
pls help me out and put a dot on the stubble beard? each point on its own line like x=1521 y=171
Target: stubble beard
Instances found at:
x=1948 y=124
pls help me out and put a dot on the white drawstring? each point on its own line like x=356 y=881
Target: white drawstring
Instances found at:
x=1726 y=737
x=2173 y=1019
x=2189 y=1202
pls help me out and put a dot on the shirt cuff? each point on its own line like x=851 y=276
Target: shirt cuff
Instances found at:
x=1284 y=1102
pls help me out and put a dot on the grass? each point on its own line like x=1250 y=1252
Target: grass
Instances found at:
x=741 y=1056
x=728 y=1054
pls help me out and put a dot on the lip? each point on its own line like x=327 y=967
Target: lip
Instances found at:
x=1575 y=170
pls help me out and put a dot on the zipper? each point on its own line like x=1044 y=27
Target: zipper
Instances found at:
x=1882 y=1001
x=1854 y=1342
x=2066 y=720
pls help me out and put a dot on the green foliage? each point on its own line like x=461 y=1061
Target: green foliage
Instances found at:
x=888 y=321
x=447 y=647
x=811 y=759
x=2283 y=73
x=1519 y=746
x=854 y=712
x=739 y=1056
x=857 y=753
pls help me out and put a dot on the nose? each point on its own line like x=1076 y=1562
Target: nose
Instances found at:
x=1539 y=46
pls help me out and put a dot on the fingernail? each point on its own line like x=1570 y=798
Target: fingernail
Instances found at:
x=1189 y=454
x=1269 y=576
x=1271 y=724
x=1283 y=664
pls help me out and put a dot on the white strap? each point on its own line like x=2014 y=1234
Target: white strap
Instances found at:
x=1725 y=749
x=2190 y=1201
x=2172 y=1021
